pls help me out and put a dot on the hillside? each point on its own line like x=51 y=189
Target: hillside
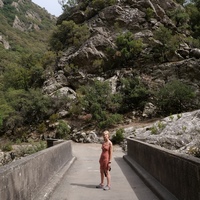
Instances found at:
x=143 y=57
x=100 y=65
x=24 y=29
x=106 y=63
x=126 y=61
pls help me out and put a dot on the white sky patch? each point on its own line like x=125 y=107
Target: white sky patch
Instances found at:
x=52 y=6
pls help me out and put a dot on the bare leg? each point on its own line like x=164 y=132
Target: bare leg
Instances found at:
x=101 y=185
x=102 y=177
x=108 y=178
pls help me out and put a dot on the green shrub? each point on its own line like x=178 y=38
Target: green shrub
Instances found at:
x=21 y=108
x=18 y=141
x=179 y=115
x=39 y=146
x=109 y=120
x=157 y=128
x=184 y=128
x=161 y=125
x=24 y=150
x=27 y=74
x=98 y=65
x=171 y=117
x=194 y=17
x=194 y=43
x=98 y=100
x=118 y=137
x=154 y=130
x=53 y=118
x=42 y=128
x=181 y=1
x=71 y=68
x=68 y=34
x=7 y=147
x=127 y=51
x=100 y=4
x=62 y=130
x=169 y=43
x=175 y=97
x=135 y=94
x=180 y=16
x=149 y=13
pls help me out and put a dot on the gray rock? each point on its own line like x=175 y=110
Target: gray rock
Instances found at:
x=195 y=53
x=178 y=132
x=1 y=4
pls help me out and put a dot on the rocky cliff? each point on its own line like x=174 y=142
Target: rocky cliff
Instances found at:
x=21 y=18
x=152 y=64
x=91 y=60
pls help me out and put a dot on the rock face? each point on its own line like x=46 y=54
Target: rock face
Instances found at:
x=105 y=26
x=24 y=16
x=4 y=42
x=1 y=3
x=178 y=132
x=128 y=16
x=30 y=15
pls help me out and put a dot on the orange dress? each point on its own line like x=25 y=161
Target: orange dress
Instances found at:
x=105 y=156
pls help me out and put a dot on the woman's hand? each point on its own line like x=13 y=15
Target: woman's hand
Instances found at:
x=109 y=166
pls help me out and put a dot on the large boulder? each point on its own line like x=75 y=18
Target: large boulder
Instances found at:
x=195 y=53
x=179 y=132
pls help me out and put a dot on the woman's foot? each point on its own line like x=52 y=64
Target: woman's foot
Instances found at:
x=106 y=187
x=99 y=186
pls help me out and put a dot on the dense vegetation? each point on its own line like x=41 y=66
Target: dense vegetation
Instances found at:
x=22 y=103
x=22 y=66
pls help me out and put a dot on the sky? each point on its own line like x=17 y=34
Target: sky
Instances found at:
x=52 y=6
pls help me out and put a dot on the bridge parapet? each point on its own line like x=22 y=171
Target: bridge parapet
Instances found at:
x=179 y=174
x=25 y=178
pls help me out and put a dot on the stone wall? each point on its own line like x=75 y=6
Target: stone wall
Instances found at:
x=179 y=174
x=25 y=178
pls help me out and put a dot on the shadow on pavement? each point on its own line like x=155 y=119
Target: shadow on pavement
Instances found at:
x=139 y=187
x=84 y=185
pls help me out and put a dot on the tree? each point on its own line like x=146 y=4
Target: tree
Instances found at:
x=27 y=74
x=68 y=34
x=175 y=97
x=28 y=106
x=98 y=100
x=182 y=2
x=193 y=10
x=180 y=17
x=166 y=45
x=67 y=4
x=196 y=3
x=134 y=93
x=127 y=51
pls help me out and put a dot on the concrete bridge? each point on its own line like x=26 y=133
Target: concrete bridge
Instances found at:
x=70 y=171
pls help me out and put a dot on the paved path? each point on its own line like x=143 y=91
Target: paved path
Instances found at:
x=79 y=182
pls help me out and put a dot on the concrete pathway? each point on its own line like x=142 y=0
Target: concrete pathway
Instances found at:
x=79 y=182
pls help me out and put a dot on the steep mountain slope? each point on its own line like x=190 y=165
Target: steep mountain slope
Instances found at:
x=148 y=54
x=139 y=56
x=147 y=44
x=108 y=62
x=24 y=29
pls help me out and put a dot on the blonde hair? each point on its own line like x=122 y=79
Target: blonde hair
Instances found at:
x=106 y=132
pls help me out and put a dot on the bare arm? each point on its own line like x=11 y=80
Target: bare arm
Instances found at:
x=110 y=151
